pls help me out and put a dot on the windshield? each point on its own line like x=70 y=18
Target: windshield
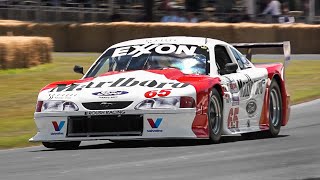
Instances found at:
x=190 y=59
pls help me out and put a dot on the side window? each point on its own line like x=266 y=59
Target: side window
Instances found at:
x=222 y=58
x=242 y=61
x=238 y=58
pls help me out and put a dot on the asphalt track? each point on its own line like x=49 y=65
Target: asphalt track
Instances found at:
x=295 y=154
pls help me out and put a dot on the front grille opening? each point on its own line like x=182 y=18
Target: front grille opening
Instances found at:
x=111 y=125
x=107 y=105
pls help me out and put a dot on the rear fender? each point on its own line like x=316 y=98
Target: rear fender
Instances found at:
x=275 y=72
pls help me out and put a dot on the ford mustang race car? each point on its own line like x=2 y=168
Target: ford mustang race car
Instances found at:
x=166 y=87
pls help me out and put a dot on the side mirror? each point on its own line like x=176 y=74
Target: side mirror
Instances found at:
x=231 y=68
x=78 y=69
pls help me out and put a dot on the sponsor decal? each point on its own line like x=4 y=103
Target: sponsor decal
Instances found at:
x=259 y=88
x=227 y=97
x=138 y=50
x=233 y=86
x=111 y=112
x=57 y=127
x=246 y=87
x=106 y=94
x=61 y=96
x=251 y=107
x=154 y=125
x=121 y=82
x=235 y=100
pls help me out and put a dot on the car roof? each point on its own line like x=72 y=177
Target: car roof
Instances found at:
x=171 y=40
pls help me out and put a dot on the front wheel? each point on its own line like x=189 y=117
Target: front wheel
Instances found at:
x=215 y=116
x=62 y=145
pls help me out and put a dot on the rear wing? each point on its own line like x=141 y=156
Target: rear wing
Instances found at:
x=249 y=46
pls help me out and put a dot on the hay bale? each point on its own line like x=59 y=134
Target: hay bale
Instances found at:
x=304 y=38
x=23 y=52
x=96 y=37
x=221 y=31
x=3 y=54
x=58 y=32
x=251 y=32
x=89 y=37
x=123 y=31
x=17 y=29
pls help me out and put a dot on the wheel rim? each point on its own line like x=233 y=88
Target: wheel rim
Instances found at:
x=274 y=107
x=215 y=115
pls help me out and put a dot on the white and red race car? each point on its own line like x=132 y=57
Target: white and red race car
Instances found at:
x=166 y=87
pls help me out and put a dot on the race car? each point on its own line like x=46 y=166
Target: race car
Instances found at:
x=166 y=88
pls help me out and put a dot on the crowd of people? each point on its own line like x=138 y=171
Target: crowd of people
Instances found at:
x=192 y=11
x=277 y=11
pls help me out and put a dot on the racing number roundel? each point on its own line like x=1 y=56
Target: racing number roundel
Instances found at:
x=161 y=93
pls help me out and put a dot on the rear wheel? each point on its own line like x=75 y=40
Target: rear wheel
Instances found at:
x=62 y=145
x=215 y=116
x=275 y=114
x=275 y=110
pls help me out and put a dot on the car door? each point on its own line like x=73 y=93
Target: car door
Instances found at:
x=246 y=88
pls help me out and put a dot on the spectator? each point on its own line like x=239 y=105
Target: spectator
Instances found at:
x=286 y=18
x=192 y=17
x=273 y=8
x=174 y=16
x=170 y=17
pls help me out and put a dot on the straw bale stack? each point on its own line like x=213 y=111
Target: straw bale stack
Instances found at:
x=23 y=52
x=58 y=33
x=89 y=37
x=305 y=39
x=96 y=37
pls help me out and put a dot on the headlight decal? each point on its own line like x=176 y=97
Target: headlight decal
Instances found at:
x=166 y=103
x=56 y=106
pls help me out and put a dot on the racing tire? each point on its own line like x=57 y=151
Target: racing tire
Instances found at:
x=215 y=116
x=275 y=110
x=62 y=145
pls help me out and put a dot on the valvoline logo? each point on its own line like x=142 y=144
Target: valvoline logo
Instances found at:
x=155 y=125
x=58 y=127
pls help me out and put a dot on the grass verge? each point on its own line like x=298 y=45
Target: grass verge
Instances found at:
x=19 y=89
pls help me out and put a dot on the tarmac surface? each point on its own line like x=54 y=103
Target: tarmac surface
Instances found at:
x=295 y=154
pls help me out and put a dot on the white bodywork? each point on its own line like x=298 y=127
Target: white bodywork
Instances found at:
x=176 y=123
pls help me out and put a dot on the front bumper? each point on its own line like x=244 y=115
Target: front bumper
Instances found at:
x=155 y=124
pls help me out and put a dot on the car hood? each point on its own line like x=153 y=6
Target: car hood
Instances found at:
x=124 y=86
